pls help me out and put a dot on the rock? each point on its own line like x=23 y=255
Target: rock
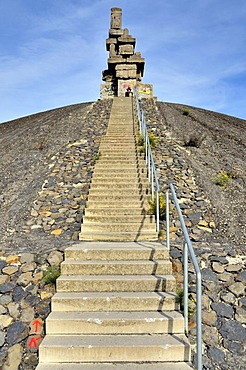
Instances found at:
x=25 y=279
x=2 y=309
x=27 y=314
x=228 y=297
x=13 y=309
x=240 y=315
x=28 y=266
x=55 y=258
x=216 y=355
x=237 y=289
x=10 y=270
x=27 y=258
x=223 y=309
x=177 y=266
x=4 y=279
x=2 y=338
x=217 y=267
x=233 y=330
x=2 y=264
x=16 y=332
x=13 y=358
x=5 y=321
x=36 y=326
x=234 y=268
x=208 y=275
x=56 y=232
x=210 y=335
x=7 y=287
x=221 y=259
x=226 y=276
x=5 y=299
x=241 y=277
x=18 y=293
x=12 y=259
x=242 y=302
x=209 y=318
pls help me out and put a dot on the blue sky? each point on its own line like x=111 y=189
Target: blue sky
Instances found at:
x=53 y=52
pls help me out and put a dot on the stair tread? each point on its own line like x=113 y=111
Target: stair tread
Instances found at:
x=113 y=366
x=142 y=295
x=141 y=340
x=115 y=277
x=137 y=315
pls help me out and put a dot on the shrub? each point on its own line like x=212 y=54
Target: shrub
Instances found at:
x=222 y=179
x=194 y=140
x=186 y=112
x=98 y=156
x=51 y=274
x=162 y=206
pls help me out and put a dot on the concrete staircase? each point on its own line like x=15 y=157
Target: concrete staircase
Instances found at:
x=117 y=204
x=115 y=305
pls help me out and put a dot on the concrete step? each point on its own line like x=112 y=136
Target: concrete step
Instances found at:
x=117 y=227
x=117 y=251
x=112 y=203
x=120 y=218
x=115 y=192
x=114 y=211
x=119 y=283
x=107 y=301
x=132 y=177
x=114 y=348
x=116 y=185
x=116 y=198
x=118 y=366
x=115 y=323
x=160 y=267
x=118 y=236
x=100 y=170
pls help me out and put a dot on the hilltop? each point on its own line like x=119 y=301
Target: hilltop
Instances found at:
x=210 y=142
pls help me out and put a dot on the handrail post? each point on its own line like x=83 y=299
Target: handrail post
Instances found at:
x=157 y=211
x=186 y=309
x=199 y=320
x=167 y=221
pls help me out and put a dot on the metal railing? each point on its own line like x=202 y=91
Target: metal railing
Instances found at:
x=188 y=249
x=151 y=169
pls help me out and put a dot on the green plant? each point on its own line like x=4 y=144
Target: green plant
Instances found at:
x=98 y=156
x=222 y=179
x=51 y=274
x=162 y=206
x=186 y=112
x=152 y=142
x=191 y=309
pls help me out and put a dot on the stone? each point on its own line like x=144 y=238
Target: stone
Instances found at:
x=27 y=258
x=221 y=259
x=228 y=297
x=25 y=279
x=209 y=275
x=13 y=309
x=177 y=266
x=7 y=287
x=234 y=268
x=5 y=321
x=209 y=318
x=242 y=302
x=12 y=259
x=28 y=266
x=10 y=270
x=223 y=309
x=240 y=315
x=56 y=232
x=241 y=277
x=27 y=314
x=16 y=332
x=5 y=299
x=217 y=267
x=14 y=357
x=2 y=309
x=210 y=335
x=226 y=276
x=36 y=326
x=18 y=293
x=34 y=213
x=237 y=289
x=233 y=330
x=55 y=258
x=4 y=279
x=2 y=264
x=2 y=338
x=216 y=354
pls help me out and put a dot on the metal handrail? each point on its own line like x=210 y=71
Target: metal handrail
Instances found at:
x=188 y=249
x=151 y=169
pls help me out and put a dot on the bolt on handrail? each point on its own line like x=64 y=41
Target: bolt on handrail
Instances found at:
x=188 y=250
x=151 y=169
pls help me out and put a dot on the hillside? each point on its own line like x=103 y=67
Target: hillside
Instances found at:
x=209 y=142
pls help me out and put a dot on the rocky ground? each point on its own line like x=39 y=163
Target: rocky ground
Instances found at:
x=46 y=164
